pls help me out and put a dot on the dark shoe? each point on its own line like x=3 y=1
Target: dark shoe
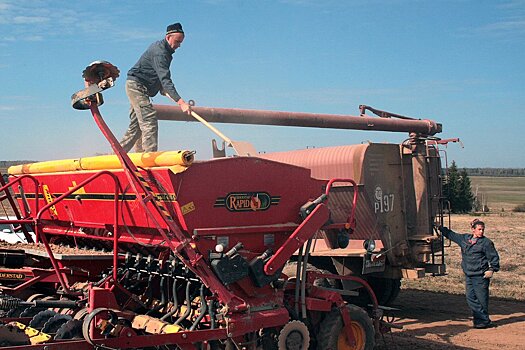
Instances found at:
x=484 y=325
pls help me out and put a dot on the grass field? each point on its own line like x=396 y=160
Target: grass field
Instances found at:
x=499 y=192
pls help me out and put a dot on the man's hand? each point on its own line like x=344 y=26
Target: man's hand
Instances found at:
x=443 y=229
x=488 y=274
x=186 y=108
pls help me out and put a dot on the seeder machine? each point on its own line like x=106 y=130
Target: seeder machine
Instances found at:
x=157 y=250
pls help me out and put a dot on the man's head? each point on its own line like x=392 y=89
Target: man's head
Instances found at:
x=478 y=228
x=174 y=35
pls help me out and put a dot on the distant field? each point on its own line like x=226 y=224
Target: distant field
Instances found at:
x=499 y=192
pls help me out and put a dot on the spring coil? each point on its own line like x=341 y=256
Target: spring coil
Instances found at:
x=9 y=303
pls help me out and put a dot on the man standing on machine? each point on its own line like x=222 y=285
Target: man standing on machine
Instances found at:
x=146 y=78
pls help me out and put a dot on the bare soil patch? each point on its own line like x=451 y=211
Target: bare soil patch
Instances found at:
x=441 y=321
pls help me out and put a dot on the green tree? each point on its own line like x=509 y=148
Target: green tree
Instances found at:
x=457 y=188
x=465 y=197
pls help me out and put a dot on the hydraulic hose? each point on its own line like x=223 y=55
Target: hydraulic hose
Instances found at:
x=303 y=278
x=202 y=309
x=211 y=308
x=149 y=291
x=175 y=307
x=298 y=279
x=188 y=305
x=163 y=300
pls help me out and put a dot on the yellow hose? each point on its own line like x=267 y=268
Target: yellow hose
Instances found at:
x=144 y=160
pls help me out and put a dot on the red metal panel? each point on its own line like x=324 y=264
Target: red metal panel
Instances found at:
x=221 y=193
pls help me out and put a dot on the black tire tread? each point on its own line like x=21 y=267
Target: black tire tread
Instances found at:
x=332 y=326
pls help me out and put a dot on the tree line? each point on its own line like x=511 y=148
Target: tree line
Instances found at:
x=496 y=172
x=457 y=188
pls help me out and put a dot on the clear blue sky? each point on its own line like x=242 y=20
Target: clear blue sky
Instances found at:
x=461 y=63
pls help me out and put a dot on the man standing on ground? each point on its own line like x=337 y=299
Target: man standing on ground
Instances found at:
x=146 y=78
x=479 y=262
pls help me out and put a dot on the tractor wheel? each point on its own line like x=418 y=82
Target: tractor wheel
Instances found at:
x=294 y=336
x=35 y=297
x=31 y=311
x=39 y=320
x=331 y=334
x=385 y=289
x=54 y=323
x=72 y=329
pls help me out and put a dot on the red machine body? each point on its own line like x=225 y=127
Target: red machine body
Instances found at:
x=243 y=192
x=260 y=209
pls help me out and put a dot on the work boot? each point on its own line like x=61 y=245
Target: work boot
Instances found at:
x=484 y=325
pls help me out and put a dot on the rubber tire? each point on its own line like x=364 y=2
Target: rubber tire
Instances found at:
x=386 y=289
x=282 y=341
x=72 y=329
x=39 y=320
x=396 y=288
x=54 y=323
x=331 y=330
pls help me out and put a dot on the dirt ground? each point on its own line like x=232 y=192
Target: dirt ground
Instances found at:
x=441 y=321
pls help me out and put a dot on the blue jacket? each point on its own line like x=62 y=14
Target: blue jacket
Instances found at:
x=478 y=255
x=153 y=70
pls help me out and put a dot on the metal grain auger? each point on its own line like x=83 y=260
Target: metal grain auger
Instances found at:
x=156 y=249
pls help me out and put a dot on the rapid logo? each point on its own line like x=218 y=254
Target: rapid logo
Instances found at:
x=247 y=201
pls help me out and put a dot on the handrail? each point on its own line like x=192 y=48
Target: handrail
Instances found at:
x=115 y=224
x=316 y=213
x=8 y=196
x=350 y=223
